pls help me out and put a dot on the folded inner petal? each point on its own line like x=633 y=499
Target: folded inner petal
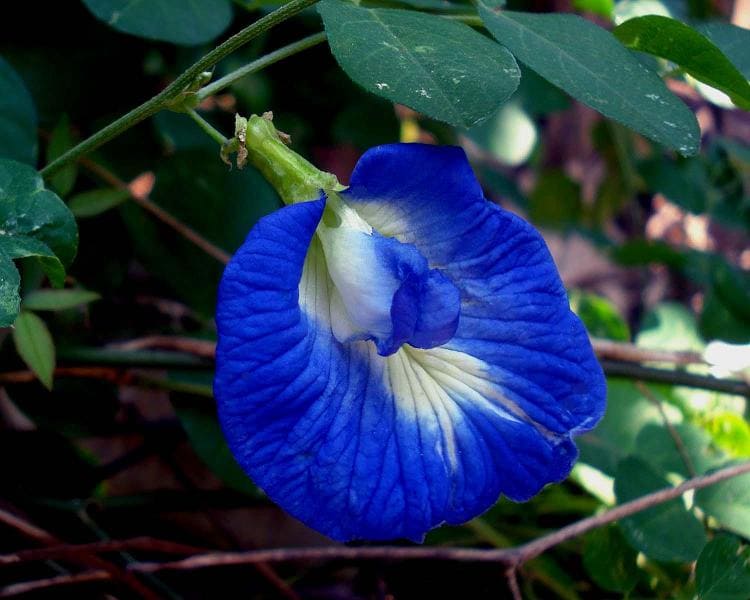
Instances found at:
x=384 y=289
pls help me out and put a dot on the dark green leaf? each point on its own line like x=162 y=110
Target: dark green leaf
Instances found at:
x=58 y=299
x=18 y=122
x=176 y=21
x=656 y=446
x=33 y=222
x=733 y=41
x=729 y=503
x=10 y=280
x=591 y=65
x=222 y=205
x=178 y=132
x=60 y=142
x=35 y=346
x=669 y=326
x=723 y=570
x=601 y=317
x=614 y=438
x=645 y=252
x=667 y=532
x=726 y=306
x=610 y=560
x=438 y=67
x=95 y=202
x=691 y=50
x=202 y=427
x=556 y=200
x=538 y=96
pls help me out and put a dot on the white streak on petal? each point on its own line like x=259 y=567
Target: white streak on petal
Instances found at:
x=315 y=285
x=365 y=284
x=431 y=405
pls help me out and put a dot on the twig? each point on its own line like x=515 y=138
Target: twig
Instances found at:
x=62 y=551
x=512 y=557
x=261 y=63
x=265 y=570
x=145 y=202
x=87 y=559
x=676 y=437
x=202 y=348
x=27 y=587
x=608 y=349
x=512 y=579
x=29 y=530
x=673 y=377
x=100 y=373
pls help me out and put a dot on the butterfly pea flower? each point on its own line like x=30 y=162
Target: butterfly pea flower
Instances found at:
x=399 y=353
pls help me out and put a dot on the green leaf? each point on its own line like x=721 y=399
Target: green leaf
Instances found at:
x=10 y=280
x=610 y=560
x=95 y=202
x=592 y=66
x=598 y=7
x=176 y=21
x=600 y=316
x=201 y=425
x=730 y=432
x=60 y=142
x=669 y=326
x=656 y=446
x=556 y=200
x=538 y=96
x=18 y=121
x=438 y=67
x=35 y=346
x=615 y=436
x=666 y=532
x=33 y=222
x=729 y=503
x=723 y=570
x=691 y=50
x=726 y=307
x=733 y=41
x=58 y=299
x=222 y=205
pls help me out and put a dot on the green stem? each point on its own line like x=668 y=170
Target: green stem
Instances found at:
x=261 y=63
x=155 y=359
x=158 y=102
x=212 y=132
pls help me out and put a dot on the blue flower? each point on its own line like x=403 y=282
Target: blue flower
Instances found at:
x=398 y=354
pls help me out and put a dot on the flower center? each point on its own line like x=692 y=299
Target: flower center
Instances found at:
x=384 y=290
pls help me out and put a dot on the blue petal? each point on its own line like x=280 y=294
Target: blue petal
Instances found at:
x=359 y=445
x=515 y=315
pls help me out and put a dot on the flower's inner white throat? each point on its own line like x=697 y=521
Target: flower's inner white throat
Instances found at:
x=382 y=289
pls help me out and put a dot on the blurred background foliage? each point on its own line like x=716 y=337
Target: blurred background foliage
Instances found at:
x=106 y=435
